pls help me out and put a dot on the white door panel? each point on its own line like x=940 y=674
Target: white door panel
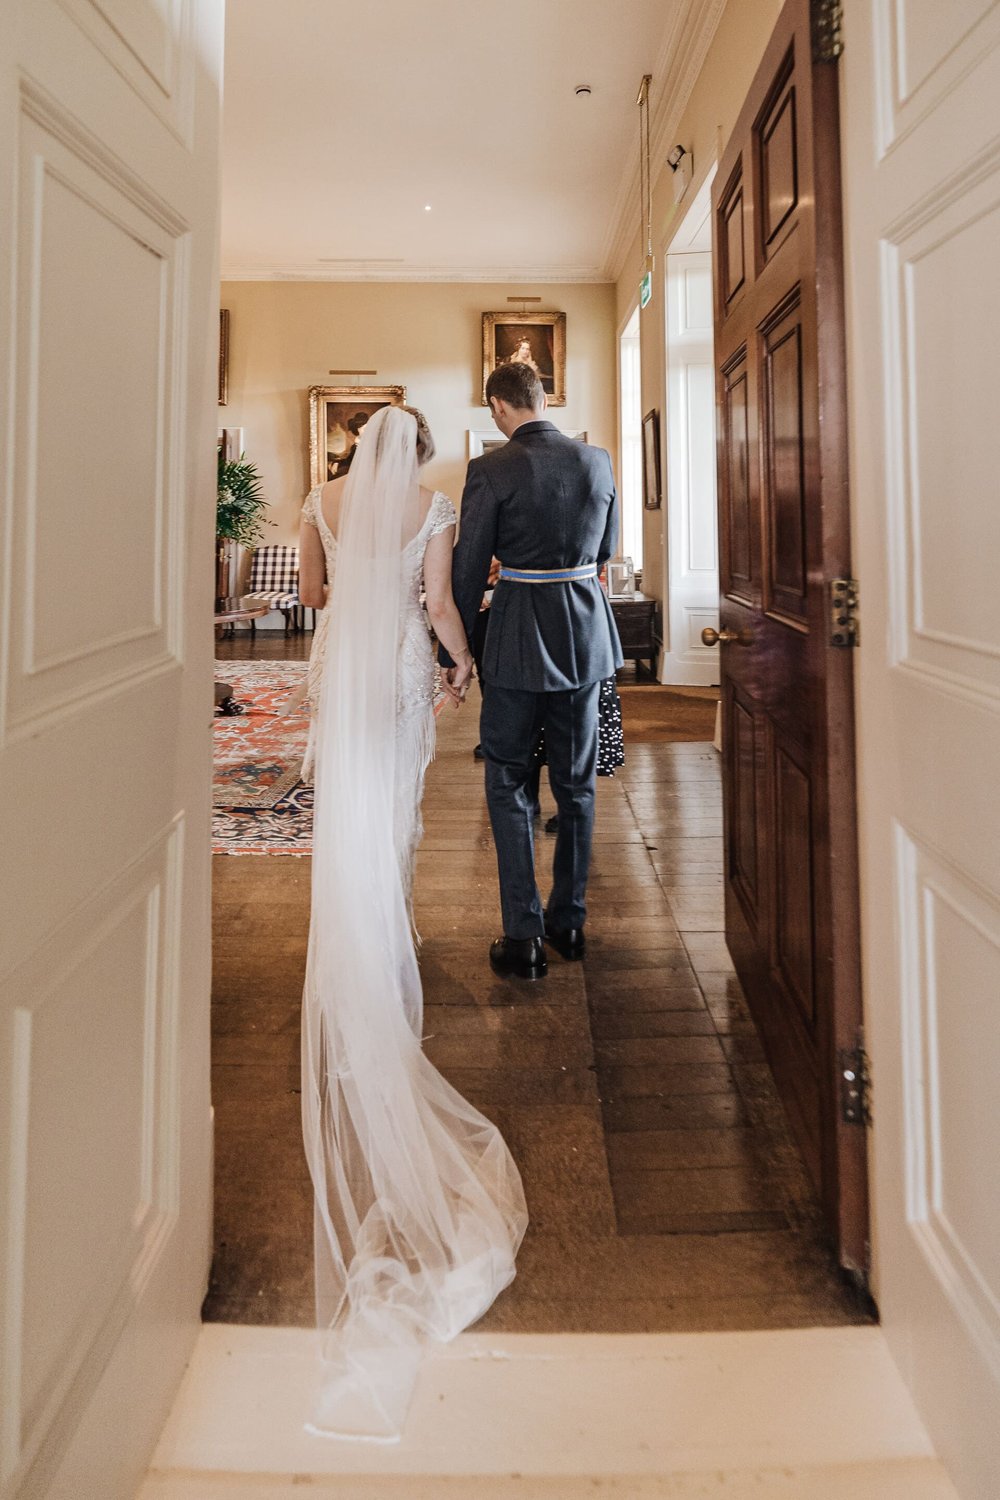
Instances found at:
x=922 y=203
x=108 y=176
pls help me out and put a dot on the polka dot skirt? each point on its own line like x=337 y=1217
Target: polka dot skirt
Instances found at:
x=610 y=738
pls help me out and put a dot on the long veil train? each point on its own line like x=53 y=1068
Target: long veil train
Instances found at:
x=419 y=1206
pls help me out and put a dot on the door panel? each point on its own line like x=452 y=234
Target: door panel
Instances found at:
x=793 y=913
x=108 y=178
x=791 y=883
x=922 y=190
x=731 y=247
x=786 y=498
x=740 y=522
x=779 y=160
x=745 y=758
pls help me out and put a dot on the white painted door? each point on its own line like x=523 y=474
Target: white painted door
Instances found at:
x=108 y=308
x=692 y=600
x=922 y=201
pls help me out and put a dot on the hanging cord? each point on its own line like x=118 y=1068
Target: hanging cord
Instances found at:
x=645 y=182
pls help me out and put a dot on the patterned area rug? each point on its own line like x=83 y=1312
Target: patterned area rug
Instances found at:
x=260 y=804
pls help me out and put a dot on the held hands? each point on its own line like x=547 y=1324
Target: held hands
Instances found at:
x=455 y=680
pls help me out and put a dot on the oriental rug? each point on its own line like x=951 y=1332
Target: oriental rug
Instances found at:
x=259 y=803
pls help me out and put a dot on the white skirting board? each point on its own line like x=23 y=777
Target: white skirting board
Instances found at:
x=814 y=1414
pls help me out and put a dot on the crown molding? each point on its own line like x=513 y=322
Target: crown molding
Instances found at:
x=677 y=68
x=365 y=271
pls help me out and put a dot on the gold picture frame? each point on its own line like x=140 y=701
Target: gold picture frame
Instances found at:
x=651 y=492
x=224 y=356
x=332 y=411
x=541 y=336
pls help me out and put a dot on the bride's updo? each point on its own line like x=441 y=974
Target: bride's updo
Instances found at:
x=425 y=442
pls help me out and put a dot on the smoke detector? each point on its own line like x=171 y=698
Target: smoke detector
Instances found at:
x=582 y=90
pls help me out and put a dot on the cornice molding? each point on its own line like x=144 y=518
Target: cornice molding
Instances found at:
x=362 y=271
x=677 y=68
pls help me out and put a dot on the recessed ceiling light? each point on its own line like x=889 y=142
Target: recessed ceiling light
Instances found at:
x=427 y=208
x=582 y=90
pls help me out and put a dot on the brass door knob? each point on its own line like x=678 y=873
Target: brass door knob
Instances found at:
x=710 y=637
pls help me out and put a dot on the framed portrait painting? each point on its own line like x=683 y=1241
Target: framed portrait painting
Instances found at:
x=535 y=339
x=337 y=416
x=651 y=460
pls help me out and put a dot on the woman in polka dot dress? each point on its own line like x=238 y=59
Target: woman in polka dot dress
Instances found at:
x=610 y=740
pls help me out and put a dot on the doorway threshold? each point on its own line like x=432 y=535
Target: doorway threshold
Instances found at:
x=801 y=1414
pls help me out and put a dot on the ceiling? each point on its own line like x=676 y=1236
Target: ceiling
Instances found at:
x=342 y=121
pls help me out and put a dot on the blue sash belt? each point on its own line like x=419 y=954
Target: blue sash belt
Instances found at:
x=549 y=575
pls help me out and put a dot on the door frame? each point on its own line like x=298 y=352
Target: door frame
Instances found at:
x=680 y=662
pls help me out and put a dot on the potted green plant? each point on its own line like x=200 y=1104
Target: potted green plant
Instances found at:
x=239 y=523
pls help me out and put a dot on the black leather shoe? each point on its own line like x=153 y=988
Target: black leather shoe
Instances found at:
x=569 y=941
x=519 y=958
x=477 y=754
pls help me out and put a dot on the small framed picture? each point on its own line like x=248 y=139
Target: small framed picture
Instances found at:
x=535 y=339
x=651 y=460
x=230 y=444
x=337 y=415
x=478 y=443
x=224 y=356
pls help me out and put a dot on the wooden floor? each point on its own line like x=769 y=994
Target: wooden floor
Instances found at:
x=663 y=1189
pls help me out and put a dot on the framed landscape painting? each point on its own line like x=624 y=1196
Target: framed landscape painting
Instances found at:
x=337 y=416
x=535 y=339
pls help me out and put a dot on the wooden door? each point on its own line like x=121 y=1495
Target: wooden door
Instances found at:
x=791 y=869
x=922 y=189
x=108 y=321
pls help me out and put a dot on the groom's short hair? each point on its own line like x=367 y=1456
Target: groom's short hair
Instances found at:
x=517 y=385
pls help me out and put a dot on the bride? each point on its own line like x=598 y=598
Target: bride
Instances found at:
x=419 y=1206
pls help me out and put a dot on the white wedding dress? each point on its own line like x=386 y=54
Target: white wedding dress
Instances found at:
x=419 y=1205
x=415 y=686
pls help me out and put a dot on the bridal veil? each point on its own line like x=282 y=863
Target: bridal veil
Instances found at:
x=419 y=1206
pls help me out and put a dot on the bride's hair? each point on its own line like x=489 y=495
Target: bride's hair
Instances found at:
x=425 y=443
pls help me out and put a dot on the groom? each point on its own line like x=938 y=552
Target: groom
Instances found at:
x=545 y=505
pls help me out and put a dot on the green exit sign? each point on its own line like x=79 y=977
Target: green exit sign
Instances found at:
x=646 y=289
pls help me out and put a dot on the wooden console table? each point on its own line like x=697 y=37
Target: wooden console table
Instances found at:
x=637 y=619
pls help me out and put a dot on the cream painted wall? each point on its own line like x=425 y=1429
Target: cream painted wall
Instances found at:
x=704 y=129
x=286 y=336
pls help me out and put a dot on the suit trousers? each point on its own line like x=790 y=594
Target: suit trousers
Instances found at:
x=509 y=728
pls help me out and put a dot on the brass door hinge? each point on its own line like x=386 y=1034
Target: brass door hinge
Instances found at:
x=855 y=1085
x=827 y=33
x=845 y=628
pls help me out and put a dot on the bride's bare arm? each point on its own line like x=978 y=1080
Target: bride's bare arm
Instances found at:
x=312 y=567
x=441 y=609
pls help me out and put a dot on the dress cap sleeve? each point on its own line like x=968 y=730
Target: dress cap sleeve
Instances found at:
x=443 y=514
x=309 y=506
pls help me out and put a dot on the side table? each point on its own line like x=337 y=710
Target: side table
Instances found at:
x=636 y=617
x=228 y=612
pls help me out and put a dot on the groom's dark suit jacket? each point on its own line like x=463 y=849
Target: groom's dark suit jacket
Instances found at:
x=543 y=500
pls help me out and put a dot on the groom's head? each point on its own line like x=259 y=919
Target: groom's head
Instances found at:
x=514 y=395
